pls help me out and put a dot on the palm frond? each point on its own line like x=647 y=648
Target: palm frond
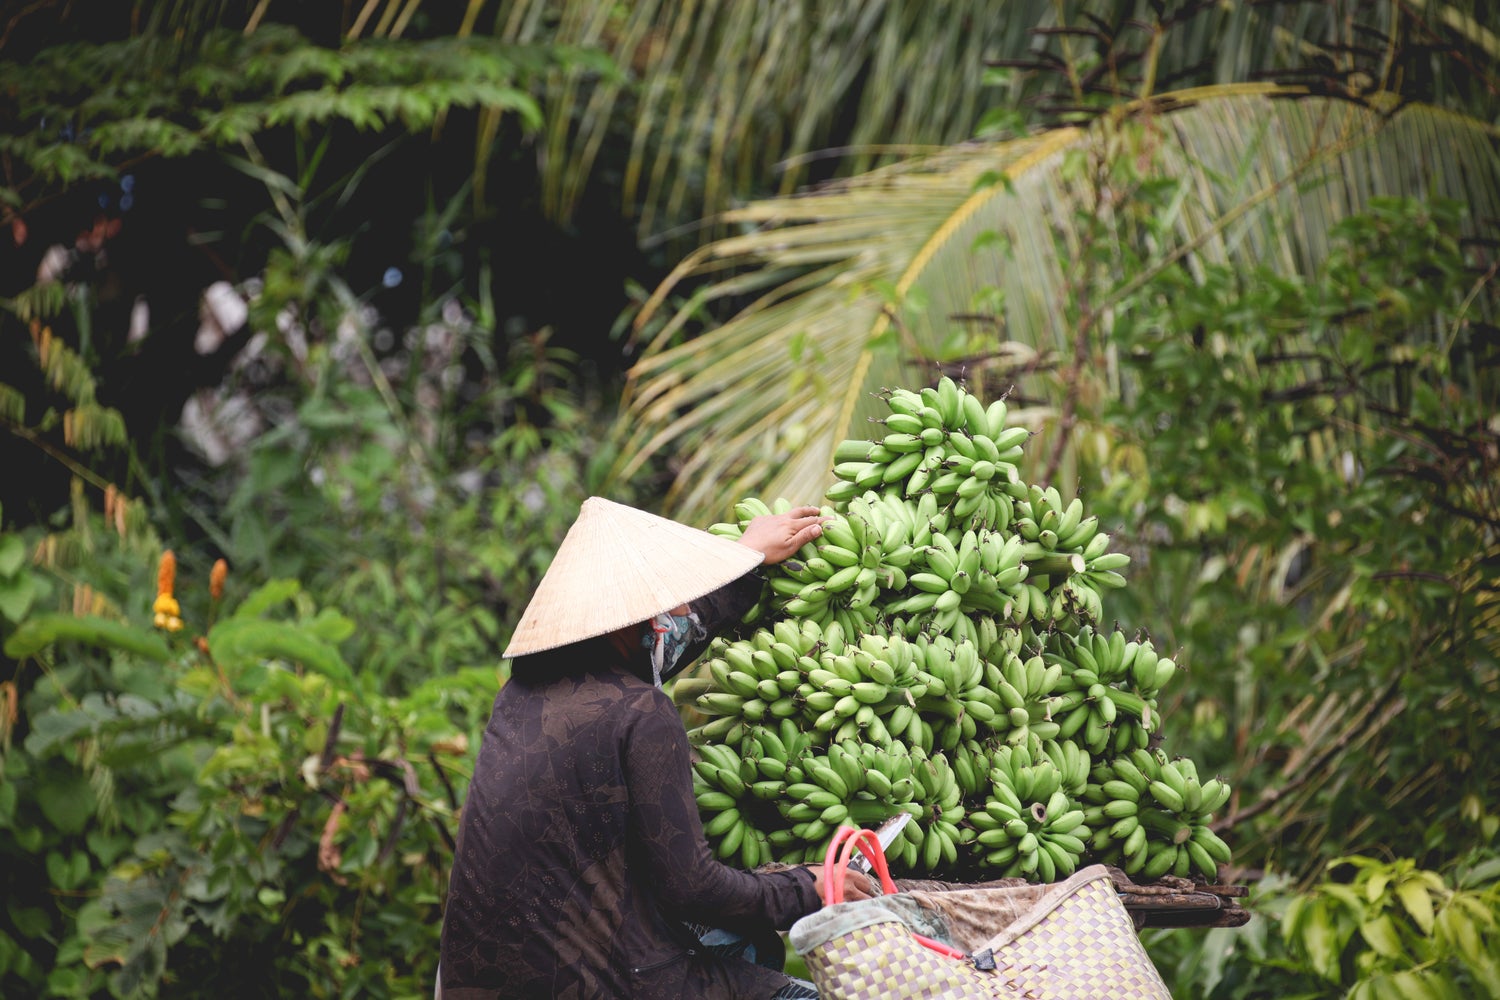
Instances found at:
x=720 y=99
x=761 y=401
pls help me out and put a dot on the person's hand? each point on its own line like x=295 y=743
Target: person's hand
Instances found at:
x=857 y=885
x=778 y=536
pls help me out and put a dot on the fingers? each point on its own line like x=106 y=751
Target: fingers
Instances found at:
x=806 y=524
x=777 y=536
x=857 y=885
x=806 y=535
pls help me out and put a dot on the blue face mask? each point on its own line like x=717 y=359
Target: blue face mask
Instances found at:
x=666 y=638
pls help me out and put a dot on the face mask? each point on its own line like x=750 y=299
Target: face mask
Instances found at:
x=667 y=637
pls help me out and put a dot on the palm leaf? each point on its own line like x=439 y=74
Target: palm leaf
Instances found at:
x=720 y=99
x=760 y=402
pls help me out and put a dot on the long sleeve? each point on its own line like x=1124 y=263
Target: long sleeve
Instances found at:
x=664 y=814
x=722 y=609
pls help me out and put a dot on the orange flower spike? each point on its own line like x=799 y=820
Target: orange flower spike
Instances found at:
x=166 y=573
x=216 y=578
x=167 y=613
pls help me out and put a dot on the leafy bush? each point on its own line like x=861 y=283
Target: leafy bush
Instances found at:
x=1304 y=469
x=235 y=809
x=1369 y=929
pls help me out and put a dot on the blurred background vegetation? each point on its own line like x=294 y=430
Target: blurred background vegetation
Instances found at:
x=363 y=299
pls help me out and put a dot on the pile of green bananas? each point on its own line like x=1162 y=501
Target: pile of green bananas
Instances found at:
x=937 y=651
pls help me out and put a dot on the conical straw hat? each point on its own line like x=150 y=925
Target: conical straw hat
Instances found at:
x=618 y=566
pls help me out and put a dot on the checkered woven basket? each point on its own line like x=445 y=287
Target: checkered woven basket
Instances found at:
x=884 y=961
x=1076 y=943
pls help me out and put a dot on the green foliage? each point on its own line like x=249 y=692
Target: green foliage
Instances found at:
x=40 y=631
x=1302 y=464
x=19 y=586
x=268 y=807
x=424 y=559
x=86 y=107
x=202 y=806
x=1396 y=930
x=1307 y=463
x=1370 y=929
x=69 y=418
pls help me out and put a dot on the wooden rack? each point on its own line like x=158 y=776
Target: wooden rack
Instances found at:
x=1166 y=902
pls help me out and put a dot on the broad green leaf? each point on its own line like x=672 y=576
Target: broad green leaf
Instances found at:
x=241 y=643
x=1411 y=985
x=1322 y=944
x=330 y=626
x=53 y=729
x=1346 y=896
x=1382 y=935
x=66 y=799
x=12 y=555
x=1486 y=871
x=16 y=595
x=266 y=597
x=1455 y=927
x=41 y=631
x=1418 y=902
x=67 y=871
x=106 y=846
x=28 y=838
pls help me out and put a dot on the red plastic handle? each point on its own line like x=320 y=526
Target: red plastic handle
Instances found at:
x=841 y=851
x=846 y=839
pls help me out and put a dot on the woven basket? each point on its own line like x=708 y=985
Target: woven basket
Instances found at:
x=1077 y=942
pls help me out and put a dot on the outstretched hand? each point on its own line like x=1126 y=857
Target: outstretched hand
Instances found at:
x=778 y=536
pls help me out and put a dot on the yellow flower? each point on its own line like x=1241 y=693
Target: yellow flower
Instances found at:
x=167 y=613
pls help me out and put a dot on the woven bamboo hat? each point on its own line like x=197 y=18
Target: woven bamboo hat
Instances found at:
x=618 y=566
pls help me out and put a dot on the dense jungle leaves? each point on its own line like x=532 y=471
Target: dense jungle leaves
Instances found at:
x=1234 y=261
x=82 y=109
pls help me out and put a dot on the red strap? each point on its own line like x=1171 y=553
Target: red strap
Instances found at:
x=841 y=851
x=846 y=839
x=833 y=890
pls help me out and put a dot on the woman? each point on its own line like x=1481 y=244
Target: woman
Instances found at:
x=581 y=860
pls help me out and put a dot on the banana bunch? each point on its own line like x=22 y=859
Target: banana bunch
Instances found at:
x=937 y=651
x=940 y=441
x=838 y=576
x=721 y=783
x=958 y=574
x=755 y=678
x=1068 y=557
x=933 y=838
x=1094 y=700
x=1029 y=825
x=853 y=783
x=958 y=703
x=1152 y=816
x=1074 y=765
x=1025 y=690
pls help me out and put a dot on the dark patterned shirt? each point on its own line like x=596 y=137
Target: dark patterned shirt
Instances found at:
x=580 y=852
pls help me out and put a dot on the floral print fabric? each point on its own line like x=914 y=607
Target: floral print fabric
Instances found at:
x=580 y=851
